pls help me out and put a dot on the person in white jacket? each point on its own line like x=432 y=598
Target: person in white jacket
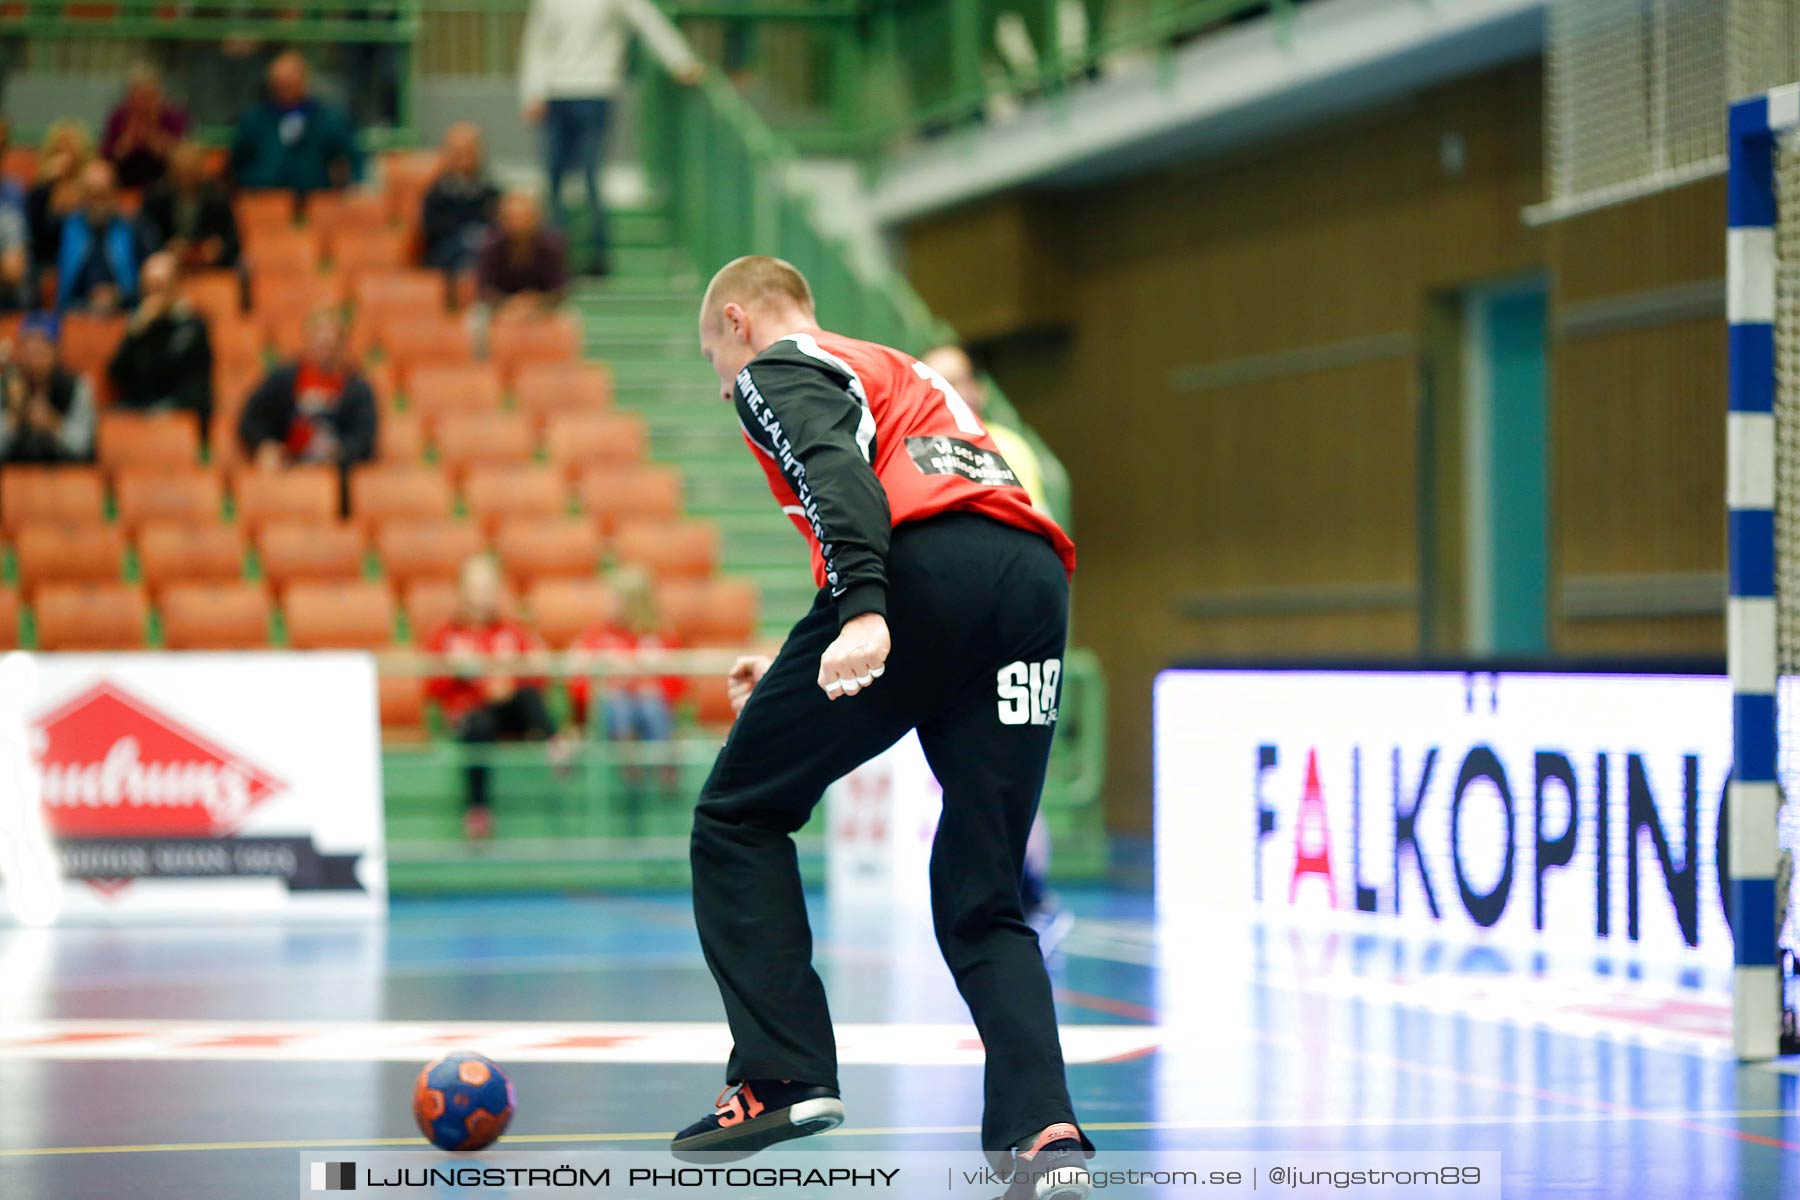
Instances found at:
x=572 y=61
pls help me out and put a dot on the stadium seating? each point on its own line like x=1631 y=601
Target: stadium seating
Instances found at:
x=576 y=441
x=305 y=493
x=182 y=552
x=216 y=295
x=542 y=389
x=562 y=608
x=147 y=439
x=466 y=440
x=68 y=553
x=9 y=618
x=402 y=705
x=29 y=495
x=498 y=493
x=237 y=343
x=434 y=340
x=260 y=211
x=309 y=552
x=355 y=250
x=282 y=250
x=330 y=212
x=215 y=616
x=428 y=603
x=400 y=438
x=708 y=612
x=555 y=547
x=339 y=616
x=669 y=549
x=277 y=295
x=147 y=494
x=89 y=341
x=437 y=389
x=97 y=616
x=382 y=492
x=514 y=343
x=413 y=550
x=614 y=495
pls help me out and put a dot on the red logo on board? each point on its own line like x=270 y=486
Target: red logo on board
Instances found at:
x=115 y=766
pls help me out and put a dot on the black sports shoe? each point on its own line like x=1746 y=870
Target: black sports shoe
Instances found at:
x=1053 y=1167
x=757 y=1114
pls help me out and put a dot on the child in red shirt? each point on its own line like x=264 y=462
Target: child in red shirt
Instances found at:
x=633 y=708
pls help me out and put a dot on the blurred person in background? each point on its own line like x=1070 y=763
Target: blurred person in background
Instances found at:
x=954 y=365
x=46 y=412
x=484 y=698
x=524 y=267
x=15 y=237
x=318 y=409
x=12 y=195
x=67 y=148
x=142 y=130
x=189 y=213
x=571 y=65
x=165 y=359
x=459 y=210
x=632 y=708
x=97 y=263
x=291 y=139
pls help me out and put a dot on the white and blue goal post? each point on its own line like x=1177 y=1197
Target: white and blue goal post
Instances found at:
x=1761 y=1013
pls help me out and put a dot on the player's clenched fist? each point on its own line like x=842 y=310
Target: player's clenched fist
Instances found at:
x=745 y=674
x=858 y=657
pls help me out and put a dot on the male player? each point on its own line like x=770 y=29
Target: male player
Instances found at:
x=942 y=607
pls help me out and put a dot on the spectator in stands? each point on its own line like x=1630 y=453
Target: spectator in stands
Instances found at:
x=11 y=194
x=142 y=130
x=460 y=207
x=637 y=708
x=165 y=360
x=97 y=265
x=484 y=698
x=189 y=213
x=958 y=370
x=67 y=149
x=46 y=412
x=292 y=139
x=524 y=267
x=317 y=410
x=571 y=63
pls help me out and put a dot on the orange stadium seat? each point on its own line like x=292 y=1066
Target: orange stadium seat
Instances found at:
x=562 y=608
x=215 y=616
x=156 y=494
x=20 y=163
x=406 y=175
x=309 y=552
x=550 y=548
x=293 y=295
x=381 y=492
x=217 y=295
x=147 y=439
x=496 y=494
x=329 y=212
x=542 y=389
x=669 y=549
x=88 y=341
x=577 y=441
x=224 y=449
x=282 y=250
x=339 y=616
x=180 y=552
x=419 y=341
x=399 y=437
x=69 y=553
x=258 y=211
x=305 y=493
x=237 y=343
x=708 y=612
x=415 y=550
x=402 y=702
x=482 y=439
x=99 y=616
x=9 y=618
x=514 y=342
x=33 y=494
x=613 y=495
x=381 y=380
x=355 y=250
x=232 y=385
x=712 y=701
x=431 y=602
x=433 y=389
x=409 y=291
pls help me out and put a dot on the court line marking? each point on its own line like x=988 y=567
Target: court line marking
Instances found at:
x=1430 y=1120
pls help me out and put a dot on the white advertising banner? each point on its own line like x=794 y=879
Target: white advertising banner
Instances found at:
x=204 y=786
x=880 y=820
x=1575 y=811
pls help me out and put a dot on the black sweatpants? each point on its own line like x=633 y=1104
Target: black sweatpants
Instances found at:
x=521 y=715
x=977 y=613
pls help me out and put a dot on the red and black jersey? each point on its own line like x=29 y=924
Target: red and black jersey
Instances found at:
x=857 y=438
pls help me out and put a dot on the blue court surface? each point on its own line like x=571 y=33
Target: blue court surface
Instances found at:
x=153 y=1063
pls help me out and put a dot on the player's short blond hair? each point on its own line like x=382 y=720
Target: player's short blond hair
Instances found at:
x=756 y=280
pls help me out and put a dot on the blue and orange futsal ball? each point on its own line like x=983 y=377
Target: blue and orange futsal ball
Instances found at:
x=462 y=1102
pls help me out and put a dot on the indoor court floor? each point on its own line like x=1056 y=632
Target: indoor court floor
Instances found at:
x=155 y=1063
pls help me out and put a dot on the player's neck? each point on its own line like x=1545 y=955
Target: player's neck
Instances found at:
x=786 y=327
